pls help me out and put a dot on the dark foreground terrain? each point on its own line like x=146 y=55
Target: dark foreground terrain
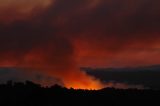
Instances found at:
x=30 y=94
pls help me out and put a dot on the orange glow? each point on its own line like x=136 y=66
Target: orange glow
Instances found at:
x=71 y=76
x=83 y=81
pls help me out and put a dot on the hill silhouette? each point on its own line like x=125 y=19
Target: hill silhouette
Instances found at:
x=31 y=94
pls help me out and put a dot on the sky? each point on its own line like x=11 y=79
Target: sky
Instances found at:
x=57 y=37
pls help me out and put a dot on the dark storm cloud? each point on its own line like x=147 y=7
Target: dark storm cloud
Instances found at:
x=17 y=74
x=148 y=76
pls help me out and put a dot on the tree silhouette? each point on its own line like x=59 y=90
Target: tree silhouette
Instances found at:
x=31 y=94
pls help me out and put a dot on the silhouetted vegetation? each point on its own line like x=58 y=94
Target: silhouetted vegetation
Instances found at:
x=31 y=94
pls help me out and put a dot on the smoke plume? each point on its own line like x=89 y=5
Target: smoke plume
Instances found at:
x=59 y=36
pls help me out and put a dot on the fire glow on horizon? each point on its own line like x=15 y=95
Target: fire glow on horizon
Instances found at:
x=59 y=36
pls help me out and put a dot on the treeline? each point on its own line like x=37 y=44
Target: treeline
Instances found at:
x=31 y=94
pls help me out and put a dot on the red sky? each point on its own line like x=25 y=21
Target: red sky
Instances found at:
x=59 y=36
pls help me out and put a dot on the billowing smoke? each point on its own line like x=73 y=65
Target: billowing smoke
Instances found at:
x=35 y=42
x=59 y=36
